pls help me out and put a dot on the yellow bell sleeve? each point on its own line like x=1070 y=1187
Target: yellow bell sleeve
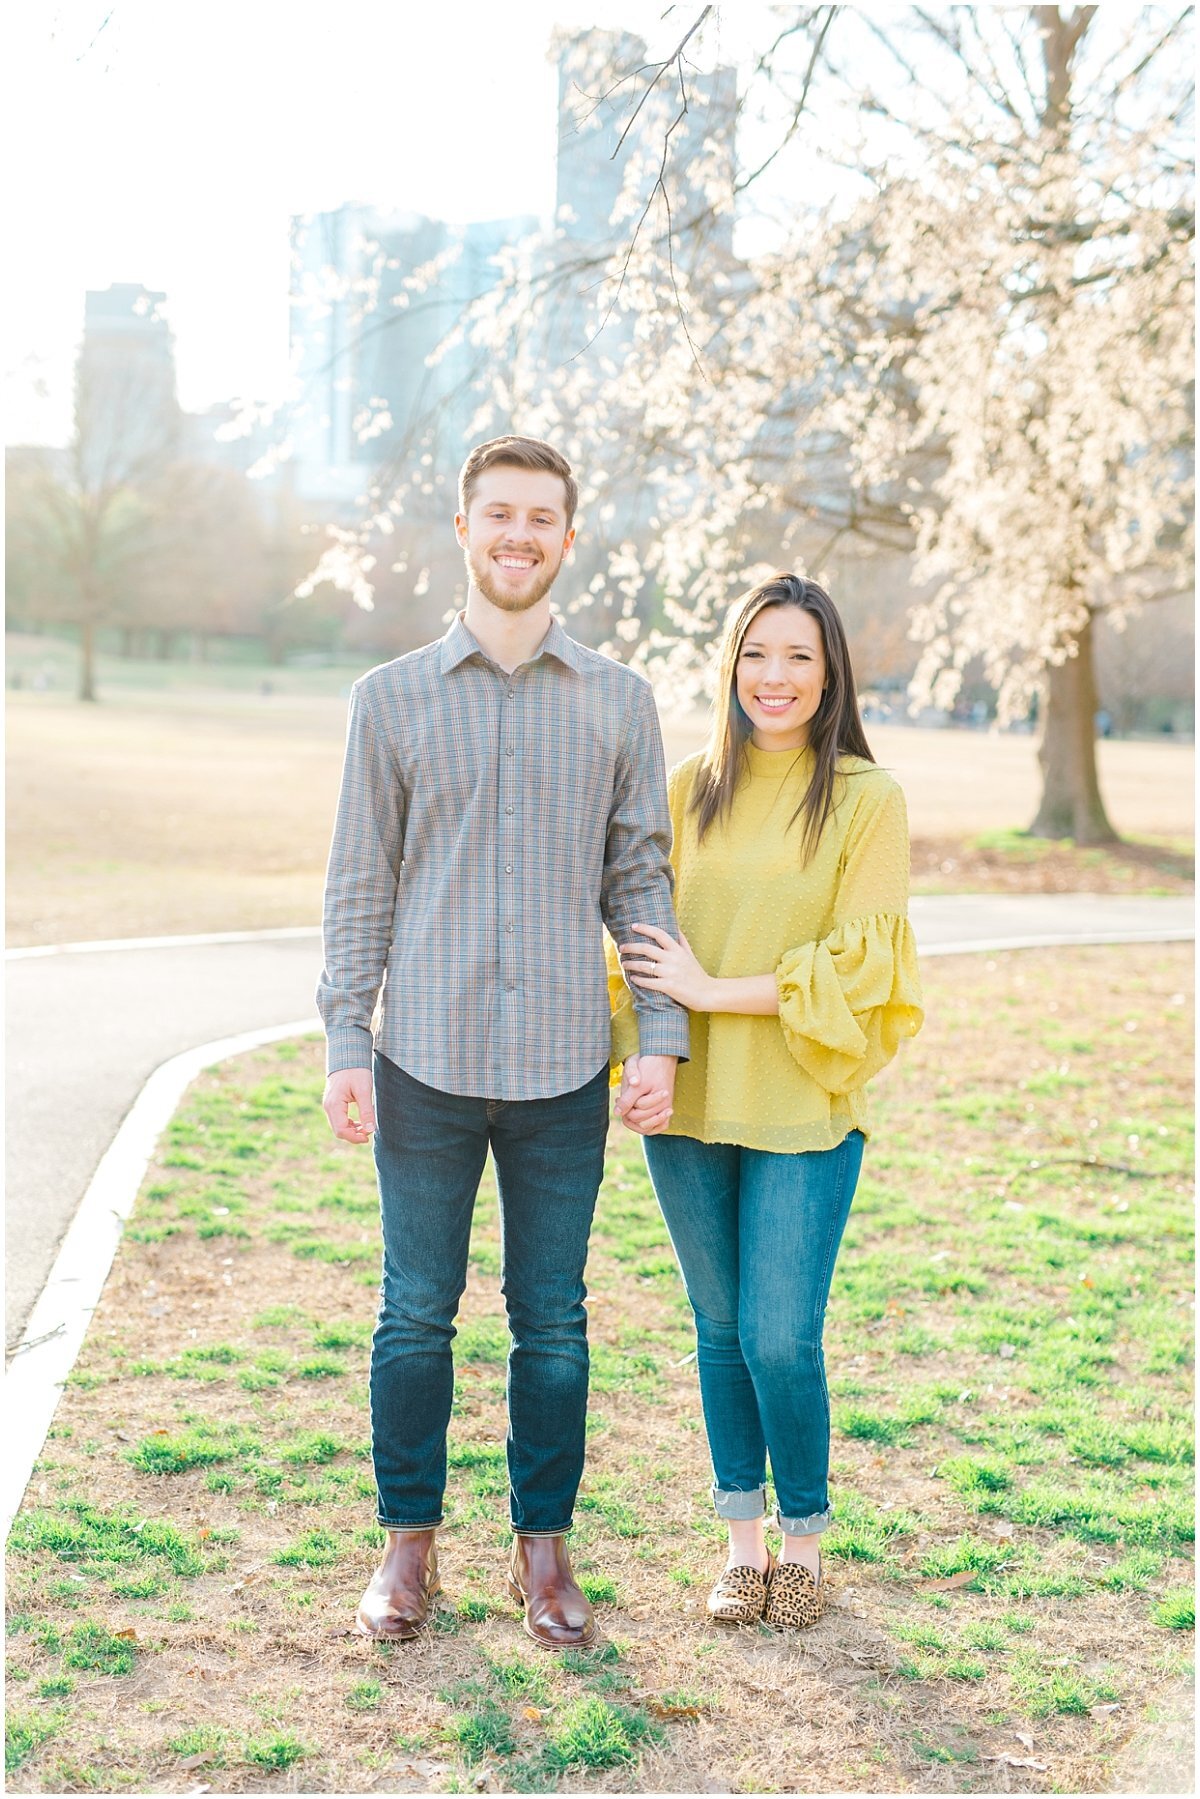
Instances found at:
x=848 y=1000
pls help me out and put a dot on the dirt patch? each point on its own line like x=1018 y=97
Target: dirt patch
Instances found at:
x=952 y=865
x=1160 y=1756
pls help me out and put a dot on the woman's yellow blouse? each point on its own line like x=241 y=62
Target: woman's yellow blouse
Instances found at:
x=835 y=931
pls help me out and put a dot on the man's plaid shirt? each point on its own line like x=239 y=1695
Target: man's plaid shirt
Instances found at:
x=488 y=824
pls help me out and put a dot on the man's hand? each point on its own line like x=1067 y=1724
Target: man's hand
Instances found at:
x=350 y=1087
x=647 y=1095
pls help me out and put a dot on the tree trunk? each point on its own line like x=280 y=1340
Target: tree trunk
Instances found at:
x=87 y=658
x=1071 y=805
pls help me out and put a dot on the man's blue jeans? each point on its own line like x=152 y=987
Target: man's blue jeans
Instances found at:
x=757 y=1234
x=430 y=1150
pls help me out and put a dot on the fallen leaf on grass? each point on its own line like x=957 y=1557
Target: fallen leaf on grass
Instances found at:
x=1023 y=1737
x=1102 y=1711
x=533 y=1713
x=127 y=1635
x=1003 y=1528
x=951 y=1581
x=664 y=1708
x=196 y=1761
x=421 y=1769
x=1019 y=1761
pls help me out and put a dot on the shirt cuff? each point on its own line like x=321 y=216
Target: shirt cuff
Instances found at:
x=664 y=1034
x=350 y=1046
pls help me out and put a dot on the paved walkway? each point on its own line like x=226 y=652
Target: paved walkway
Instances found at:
x=88 y=1025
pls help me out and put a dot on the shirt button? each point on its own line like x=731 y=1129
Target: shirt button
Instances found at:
x=510 y=810
x=508 y=927
x=508 y=868
x=509 y=750
x=508 y=693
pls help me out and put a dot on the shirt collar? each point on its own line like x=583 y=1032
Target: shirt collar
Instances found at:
x=458 y=644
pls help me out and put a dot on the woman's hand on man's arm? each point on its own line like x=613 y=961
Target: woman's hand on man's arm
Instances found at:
x=662 y=965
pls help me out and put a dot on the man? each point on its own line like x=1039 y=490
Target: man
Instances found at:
x=502 y=796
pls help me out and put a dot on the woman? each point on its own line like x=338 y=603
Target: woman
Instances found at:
x=798 y=965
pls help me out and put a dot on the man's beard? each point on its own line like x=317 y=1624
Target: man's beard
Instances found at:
x=480 y=573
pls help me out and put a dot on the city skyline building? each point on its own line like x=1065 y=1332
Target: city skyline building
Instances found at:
x=375 y=294
x=127 y=412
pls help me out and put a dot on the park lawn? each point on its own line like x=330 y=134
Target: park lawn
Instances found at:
x=1008 y=1351
x=1007 y=861
x=175 y=809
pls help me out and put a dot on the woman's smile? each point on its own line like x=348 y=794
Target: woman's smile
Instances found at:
x=783 y=647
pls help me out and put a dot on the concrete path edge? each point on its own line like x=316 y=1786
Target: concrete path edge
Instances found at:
x=58 y=1323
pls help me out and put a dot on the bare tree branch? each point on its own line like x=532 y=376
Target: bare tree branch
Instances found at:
x=662 y=67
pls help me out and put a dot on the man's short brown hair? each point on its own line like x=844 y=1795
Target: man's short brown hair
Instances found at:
x=516 y=452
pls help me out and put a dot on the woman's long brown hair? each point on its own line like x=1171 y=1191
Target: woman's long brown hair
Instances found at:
x=834 y=730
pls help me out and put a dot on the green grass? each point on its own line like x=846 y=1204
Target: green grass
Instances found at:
x=1176 y=1611
x=23 y=1733
x=590 y=1733
x=598 y=1588
x=484 y=1731
x=519 y=1678
x=315 y=1549
x=1046 y=1690
x=80 y=1533
x=199 y=1447
x=310 y=1447
x=1008 y=1359
x=208 y=1740
x=365 y=1696
x=95 y=1650
x=275 y=1753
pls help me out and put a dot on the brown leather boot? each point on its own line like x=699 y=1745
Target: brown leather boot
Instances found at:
x=397 y=1604
x=557 y=1615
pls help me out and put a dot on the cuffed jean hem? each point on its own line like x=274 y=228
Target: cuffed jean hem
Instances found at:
x=805 y=1527
x=519 y=1530
x=737 y=1506
x=388 y=1524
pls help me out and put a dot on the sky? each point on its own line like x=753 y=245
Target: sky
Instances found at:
x=167 y=143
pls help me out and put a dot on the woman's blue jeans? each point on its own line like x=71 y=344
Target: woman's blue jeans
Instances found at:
x=757 y=1234
x=430 y=1150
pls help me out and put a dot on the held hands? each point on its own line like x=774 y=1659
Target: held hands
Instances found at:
x=647 y=1094
x=664 y=966
x=350 y=1087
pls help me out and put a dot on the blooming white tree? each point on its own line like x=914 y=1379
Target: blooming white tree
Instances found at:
x=978 y=351
x=991 y=348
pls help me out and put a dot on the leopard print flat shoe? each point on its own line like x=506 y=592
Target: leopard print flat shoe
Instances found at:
x=795 y=1598
x=740 y=1595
